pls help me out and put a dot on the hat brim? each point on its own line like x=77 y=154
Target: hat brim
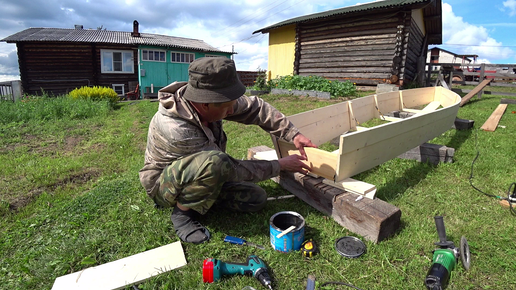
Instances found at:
x=220 y=95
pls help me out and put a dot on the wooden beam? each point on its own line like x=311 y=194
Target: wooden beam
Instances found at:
x=507 y=101
x=473 y=92
x=127 y=271
x=374 y=219
x=492 y=122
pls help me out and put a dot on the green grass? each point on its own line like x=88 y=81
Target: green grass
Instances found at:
x=71 y=199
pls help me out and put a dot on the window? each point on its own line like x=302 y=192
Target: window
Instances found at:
x=153 y=55
x=117 y=61
x=119 y=89
x=182 y=57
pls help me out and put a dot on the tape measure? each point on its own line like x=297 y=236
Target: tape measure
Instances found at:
x=308 y=248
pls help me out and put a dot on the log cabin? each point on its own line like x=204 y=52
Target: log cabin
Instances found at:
x=368 y=44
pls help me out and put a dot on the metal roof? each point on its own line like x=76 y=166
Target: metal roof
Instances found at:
x=430 y=10
x=106 y=36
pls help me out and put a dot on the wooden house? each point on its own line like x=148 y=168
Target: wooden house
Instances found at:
x=368 y=44
x=56 y=60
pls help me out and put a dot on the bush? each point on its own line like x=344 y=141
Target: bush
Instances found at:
x=95 y=93
x=260 y=84
x=315 y=83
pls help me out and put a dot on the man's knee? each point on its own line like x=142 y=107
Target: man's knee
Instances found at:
x=260 y=201
x=244 y=197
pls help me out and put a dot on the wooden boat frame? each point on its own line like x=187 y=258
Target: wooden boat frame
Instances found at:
x=363 y=148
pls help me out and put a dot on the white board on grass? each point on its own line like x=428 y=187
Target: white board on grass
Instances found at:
x=126 y=271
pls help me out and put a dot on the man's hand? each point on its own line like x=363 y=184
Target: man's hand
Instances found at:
x=300 y=141
x=294 y=163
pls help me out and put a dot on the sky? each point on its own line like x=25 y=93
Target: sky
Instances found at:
x=481 y=27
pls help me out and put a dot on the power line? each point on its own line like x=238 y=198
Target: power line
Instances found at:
x=264 y=19
x=457 y=44
x=255 y=16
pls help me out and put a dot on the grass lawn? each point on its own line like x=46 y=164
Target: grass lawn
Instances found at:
x=70 y=198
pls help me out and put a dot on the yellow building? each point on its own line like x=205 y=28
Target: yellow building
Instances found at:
x=368 y=44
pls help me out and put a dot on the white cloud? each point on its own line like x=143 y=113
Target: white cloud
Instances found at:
x=511 y=4
x=470 y=39
x=6 y=78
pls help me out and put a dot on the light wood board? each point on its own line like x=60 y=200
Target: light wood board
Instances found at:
x=473 y=92
x=360 y=151
x=355 y=186
x=493 y=120
x=127 y=271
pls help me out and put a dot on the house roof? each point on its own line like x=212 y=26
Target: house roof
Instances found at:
x=106 y=36
x=432 y=12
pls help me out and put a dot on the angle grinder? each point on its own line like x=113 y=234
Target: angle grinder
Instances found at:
x=445 y=258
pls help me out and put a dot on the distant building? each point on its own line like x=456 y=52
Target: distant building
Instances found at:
x=56 y=60
x=439 y=55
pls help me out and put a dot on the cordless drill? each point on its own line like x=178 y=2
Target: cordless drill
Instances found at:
x=213 y=269
x=445 y=258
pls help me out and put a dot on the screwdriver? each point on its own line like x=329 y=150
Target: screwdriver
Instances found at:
x=239 y=241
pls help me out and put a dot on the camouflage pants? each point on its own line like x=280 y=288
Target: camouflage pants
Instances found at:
x=199 y=180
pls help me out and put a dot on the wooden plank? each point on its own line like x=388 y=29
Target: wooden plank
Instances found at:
x=374 y=219
x=355 y=186
x=127 y=271
x=473 y=92
x=334 y=119
x=419 y=97
x=487 y=92
x=432 y=106
x=360 y=151
x=492 y=122
x=323 y=163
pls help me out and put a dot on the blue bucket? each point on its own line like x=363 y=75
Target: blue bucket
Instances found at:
x=291 y=241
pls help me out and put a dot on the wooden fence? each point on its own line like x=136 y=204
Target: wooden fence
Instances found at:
x=248 y=77
x=10 y=91
x=502 y=75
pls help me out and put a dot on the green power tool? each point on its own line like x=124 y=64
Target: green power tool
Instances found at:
x=213 y=269
x=445 y=258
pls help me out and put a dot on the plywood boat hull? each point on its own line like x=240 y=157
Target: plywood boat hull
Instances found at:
x=361 y=148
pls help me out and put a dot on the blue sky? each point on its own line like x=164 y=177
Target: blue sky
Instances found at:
x=481 y=27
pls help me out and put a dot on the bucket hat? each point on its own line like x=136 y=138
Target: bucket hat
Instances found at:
x=213 y=80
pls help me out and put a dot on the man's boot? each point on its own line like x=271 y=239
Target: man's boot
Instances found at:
x=187 y=228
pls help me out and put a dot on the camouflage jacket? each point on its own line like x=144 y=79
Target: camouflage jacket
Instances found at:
x=176 y=131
